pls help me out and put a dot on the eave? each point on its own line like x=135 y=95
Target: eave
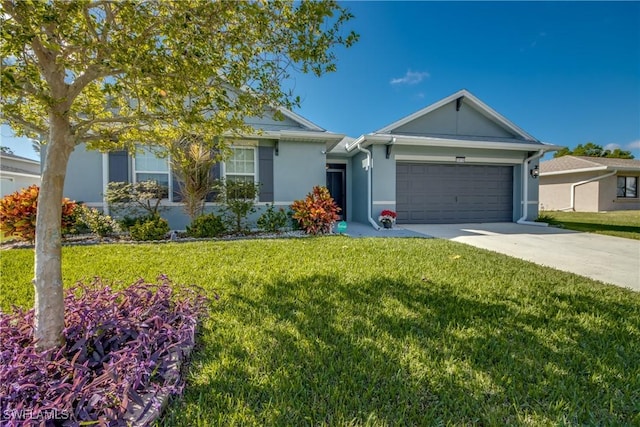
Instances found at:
x=593 y=169
x=329 y=138
x=426 y=141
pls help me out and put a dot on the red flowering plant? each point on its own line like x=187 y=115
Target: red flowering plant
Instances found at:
x=18 y=213
x=317 y=212
x=387 y=217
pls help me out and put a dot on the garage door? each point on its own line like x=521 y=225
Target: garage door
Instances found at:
x=442 y=194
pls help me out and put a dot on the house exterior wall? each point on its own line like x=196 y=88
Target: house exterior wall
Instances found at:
x=298 y=167
x=533 y=193
x=608 y=200
x=447 y=121
x=383 y=184
x=83 y=182
x=586 y=197
x=555 y=192
x=358 y=189
x=10 y=183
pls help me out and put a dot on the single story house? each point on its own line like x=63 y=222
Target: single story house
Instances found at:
x=17 y=172
x=457 y=160
x=589 y=184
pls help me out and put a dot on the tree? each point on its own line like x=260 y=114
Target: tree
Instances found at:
x=593 y=150
x=112 y=74
x=5 y=150
x=191 y=160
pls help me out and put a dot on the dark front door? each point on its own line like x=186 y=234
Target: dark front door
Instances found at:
x=337 y=185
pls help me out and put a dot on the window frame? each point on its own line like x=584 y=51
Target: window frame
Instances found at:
x=225 y=168
x=168 y=172
x=624 y=188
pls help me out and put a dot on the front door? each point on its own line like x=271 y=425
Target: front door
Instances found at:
x=337 y=185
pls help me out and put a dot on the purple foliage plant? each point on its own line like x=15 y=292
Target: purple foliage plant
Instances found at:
x=120 y=349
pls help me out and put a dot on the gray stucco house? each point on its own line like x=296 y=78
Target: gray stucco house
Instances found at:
x=456 y=160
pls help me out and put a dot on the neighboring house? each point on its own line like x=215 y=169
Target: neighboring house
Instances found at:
x=455 y=161
x=17 y=172
x=589 y=184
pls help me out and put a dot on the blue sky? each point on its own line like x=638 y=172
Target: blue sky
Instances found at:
x=565 y=72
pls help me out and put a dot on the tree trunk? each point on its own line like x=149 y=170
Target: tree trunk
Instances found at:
x=49 y=303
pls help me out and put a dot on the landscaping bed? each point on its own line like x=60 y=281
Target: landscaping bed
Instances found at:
x=119 y=363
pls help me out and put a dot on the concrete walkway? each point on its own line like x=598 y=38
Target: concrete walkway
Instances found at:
x=357 y=229
x=609 y=259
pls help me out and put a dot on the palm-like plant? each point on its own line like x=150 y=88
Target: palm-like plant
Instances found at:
x=191 y=161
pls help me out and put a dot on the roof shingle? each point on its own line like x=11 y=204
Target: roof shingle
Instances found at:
x=575 y=163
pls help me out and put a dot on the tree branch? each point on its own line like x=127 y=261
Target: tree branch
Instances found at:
x=26 y=124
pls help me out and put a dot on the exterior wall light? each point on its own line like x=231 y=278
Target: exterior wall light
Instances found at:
x=535 y=172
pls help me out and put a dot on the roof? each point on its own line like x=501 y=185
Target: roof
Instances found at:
x=20 y=158
x=303 y=121
x=11 y=170
x=577 y=164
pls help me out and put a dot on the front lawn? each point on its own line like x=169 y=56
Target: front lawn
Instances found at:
x=339 y=331
x=616 y=223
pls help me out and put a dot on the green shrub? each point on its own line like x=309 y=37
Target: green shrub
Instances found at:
x=137 y=198
x=317 y=212
x=545 y=218
x=273 y=221
x=238 y=199
x=126 y=222
x=154 y=228
x=208 y=225
x=96 y=222
x=18 y=214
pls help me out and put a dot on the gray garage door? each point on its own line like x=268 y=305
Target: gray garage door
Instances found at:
x=441 y=194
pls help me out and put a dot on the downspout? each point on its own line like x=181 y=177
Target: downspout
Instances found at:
x=369 y=178
x=573 y=188
x=525 y=192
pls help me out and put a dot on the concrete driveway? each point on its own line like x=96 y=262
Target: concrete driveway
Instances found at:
x=608 y=259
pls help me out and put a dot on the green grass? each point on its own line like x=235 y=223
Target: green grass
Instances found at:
x=339 y=331
x=618 y=223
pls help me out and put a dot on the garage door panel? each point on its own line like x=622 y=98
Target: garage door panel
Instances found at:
x=436 y=193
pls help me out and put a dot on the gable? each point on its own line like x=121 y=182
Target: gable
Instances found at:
x=459 y=119
x=288 y=120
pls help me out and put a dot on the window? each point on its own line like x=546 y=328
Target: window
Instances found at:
x=628 y=186
x=149 y=167
x=241 y=166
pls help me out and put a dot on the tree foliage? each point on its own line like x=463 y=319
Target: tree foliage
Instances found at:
x=594 y=150
x=112 y=74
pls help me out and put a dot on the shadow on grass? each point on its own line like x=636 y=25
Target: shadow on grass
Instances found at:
x=321 y=351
